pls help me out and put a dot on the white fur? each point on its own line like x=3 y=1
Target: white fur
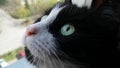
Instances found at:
x=44 y=17
x=46 y=20
x=81 y=3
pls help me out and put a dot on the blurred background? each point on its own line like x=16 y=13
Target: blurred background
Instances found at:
x=15 y=16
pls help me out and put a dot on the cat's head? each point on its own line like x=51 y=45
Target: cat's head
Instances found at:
x=72 y=31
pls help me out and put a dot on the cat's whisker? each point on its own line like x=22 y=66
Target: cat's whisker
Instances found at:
x=49 y=61
x=56 y=63
x=43 y=56
x=45 y=62
x=38 y=62
x=40 y=52
x=62 y=65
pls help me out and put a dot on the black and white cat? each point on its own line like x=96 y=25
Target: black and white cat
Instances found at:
x=76 y=34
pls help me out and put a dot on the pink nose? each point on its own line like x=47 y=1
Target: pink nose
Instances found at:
x=31 y=31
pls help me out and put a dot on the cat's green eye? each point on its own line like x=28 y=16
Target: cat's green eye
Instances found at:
x=67 y=30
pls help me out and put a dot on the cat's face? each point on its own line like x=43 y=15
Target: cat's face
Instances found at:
x=68 y=33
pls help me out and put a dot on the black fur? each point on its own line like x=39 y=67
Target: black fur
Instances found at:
x=95 y=42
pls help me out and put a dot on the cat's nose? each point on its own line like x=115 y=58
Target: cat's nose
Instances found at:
x=31 y=31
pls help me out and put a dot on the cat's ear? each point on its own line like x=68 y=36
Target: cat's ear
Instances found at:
x=80 y=3
x=87 y=3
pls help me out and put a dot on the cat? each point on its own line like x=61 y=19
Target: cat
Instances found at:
x=76 y=34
